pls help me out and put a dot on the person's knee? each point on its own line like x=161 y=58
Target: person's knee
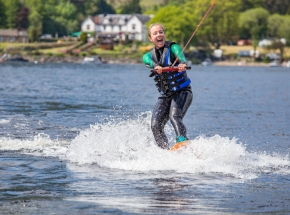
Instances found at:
x=156 y=126
x=175 y=117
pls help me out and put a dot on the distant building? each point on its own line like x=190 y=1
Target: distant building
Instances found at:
x=265 y=42
x=88 y=25
x=13 y=35
x=117 y=26
x=218 y=53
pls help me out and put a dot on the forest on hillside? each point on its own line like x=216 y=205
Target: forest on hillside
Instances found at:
x=227 y=22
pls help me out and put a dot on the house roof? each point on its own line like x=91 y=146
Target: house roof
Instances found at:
x=143 y=19
x=112 y=19
x=118 y=19
x=89 y=18
x=12 y=32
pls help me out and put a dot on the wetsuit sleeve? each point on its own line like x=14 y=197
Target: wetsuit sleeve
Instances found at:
x=147 y=60
x=177 y=51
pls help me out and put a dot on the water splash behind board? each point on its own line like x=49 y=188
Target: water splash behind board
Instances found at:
x=129 y=145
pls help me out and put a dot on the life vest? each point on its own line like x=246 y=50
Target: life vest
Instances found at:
x=168 y=82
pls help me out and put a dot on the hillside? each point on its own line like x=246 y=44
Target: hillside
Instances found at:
x=144 y=3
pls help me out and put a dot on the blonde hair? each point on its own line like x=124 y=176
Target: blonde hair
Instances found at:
x=155 y=24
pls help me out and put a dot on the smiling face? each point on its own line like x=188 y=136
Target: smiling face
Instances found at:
x=157 y=36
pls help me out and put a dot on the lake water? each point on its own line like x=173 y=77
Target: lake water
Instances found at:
x=76 y=139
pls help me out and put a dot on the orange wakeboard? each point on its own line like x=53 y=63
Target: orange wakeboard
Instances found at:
x=180 y=145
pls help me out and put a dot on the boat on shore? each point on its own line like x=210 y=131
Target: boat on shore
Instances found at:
x=275 y=63
x=92 y=59
x=206 y=62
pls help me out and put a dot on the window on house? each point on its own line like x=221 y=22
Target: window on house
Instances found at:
x=104 y=27
x=1 y=39
x=120 y=27
x=133 y=26
x=88 y=27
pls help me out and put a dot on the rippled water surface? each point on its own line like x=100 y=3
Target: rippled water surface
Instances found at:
x=76 y=139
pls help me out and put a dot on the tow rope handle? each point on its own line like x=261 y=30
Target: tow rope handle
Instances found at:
x=168 y=69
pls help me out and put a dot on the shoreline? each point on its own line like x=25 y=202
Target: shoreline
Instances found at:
x=239 y=63
x=109 y=60
x=77 y=59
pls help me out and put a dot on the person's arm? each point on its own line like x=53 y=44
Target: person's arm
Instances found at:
x=177 y=52
x=150 y=63
x=147 y=60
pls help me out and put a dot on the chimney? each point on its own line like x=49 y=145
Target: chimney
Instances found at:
x=96 y=19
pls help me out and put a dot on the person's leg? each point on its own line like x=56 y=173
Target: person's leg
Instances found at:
x=160 y=117
x=179 y=105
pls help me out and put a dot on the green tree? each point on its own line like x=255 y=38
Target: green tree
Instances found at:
x=35 y=18
x=251 y=4
x=51 y=17
x=277 y=6
x=132 y=6
x=64 y=16
x=22 y=18
x=220 y=25
x=273 y=6
x=94 y=7
x=36 y=5
x=11 y=8
x=255 y=22
x=81 y=10
x=173 y=2
x=84 y=37
x=275 y=22
x=49 y=13
x=175 y=21
x=2 y=15
x=104 y=7
x=151 y=10
x=35 y=26
x=284 y=31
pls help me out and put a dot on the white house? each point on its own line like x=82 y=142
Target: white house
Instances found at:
x=117 y=26
x=88 y=25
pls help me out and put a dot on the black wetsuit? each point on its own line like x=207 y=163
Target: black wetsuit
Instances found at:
x=172 y=105
x=174 y=108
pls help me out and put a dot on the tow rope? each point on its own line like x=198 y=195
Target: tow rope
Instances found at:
x=172 y=68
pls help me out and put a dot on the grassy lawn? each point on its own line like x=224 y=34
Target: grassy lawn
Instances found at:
x=101 y=51
x=52 y=50
x=235 y=49
x=119 y=51
x=42 y=47
x=5 y=45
